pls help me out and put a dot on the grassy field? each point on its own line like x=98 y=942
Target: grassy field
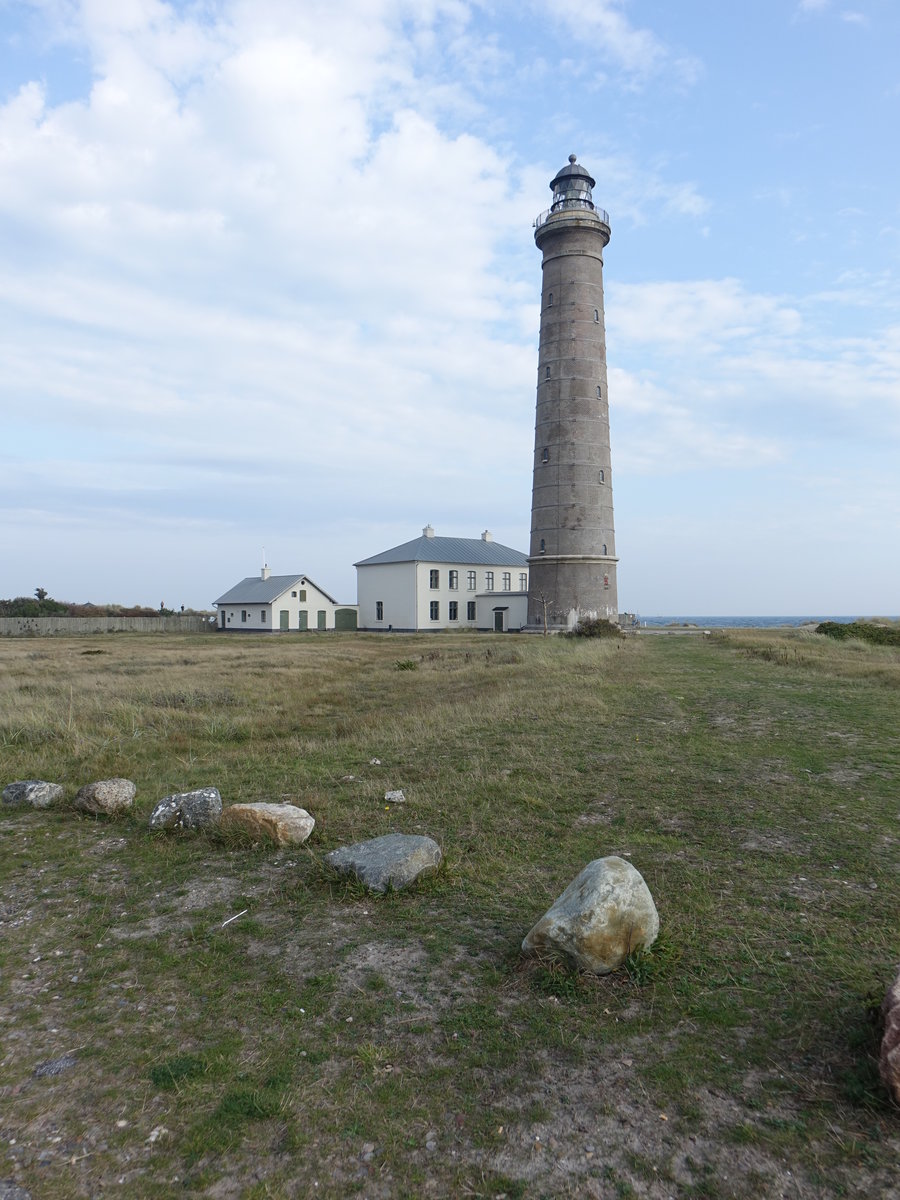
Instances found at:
x=330 y=1043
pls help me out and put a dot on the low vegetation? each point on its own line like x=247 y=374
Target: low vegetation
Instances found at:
x=185 y=1015
x=881 y=633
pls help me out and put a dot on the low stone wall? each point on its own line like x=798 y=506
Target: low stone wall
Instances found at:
x=75 y=626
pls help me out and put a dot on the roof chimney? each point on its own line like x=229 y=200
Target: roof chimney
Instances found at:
x=265 y=572
x=428 y=531
x=487 y=536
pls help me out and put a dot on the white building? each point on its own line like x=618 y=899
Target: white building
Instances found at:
x=443 y=583
x=268 y=603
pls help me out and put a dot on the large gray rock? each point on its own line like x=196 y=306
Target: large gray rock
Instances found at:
x=188 y=810
x=106 y=796
x=285 y=824
x=604 y=914
x=394 y=860
x=36 y=792
x=889 y=1062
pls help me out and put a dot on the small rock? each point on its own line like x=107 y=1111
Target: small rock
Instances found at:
x=54 y=1066
x=106 y=796
x=374 y=762
x=11 y=1191
x=36 y=792
x=395 y=797
x=889 y=1061
x=156 y=1133
x=188 y=810
x=604 y=914
x=394 y=860
x=283 y=823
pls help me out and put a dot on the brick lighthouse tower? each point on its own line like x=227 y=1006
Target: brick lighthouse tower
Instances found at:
x=572 y=559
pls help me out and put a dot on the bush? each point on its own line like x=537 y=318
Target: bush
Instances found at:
x=864 y=631
x=594 y=627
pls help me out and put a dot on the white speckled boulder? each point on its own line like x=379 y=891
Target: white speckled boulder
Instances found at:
x=889 y=1062
x=282 y=823
x=604 y=914
x=198 y=809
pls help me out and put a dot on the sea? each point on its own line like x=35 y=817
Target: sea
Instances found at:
x=743 y=622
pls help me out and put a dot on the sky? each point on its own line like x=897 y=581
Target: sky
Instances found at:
x=269 y=289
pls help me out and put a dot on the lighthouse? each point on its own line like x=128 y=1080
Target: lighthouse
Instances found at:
x=572 y=556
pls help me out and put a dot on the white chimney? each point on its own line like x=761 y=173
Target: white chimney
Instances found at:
x=265 y=572
x=428 y=531
x=487 y=536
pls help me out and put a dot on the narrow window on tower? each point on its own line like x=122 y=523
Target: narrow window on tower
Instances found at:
x=599 y=393
x=550 y=300
x=546 y=372
x=545 y=455
x=602 y=477
x=543 y=547
x=597 y=315
x=603 y=551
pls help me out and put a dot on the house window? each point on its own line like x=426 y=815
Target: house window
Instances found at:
x=262 y=616
x=507 y=581
x=523 y=581
x=453 y=610
x=243 y=614
x=294 y=595
x=470 y=581
x=470 y=610
x=434 y=579
x=545 y=455
x=435 y=610
x=454 y=580
x=489 y=581
x=379 y=610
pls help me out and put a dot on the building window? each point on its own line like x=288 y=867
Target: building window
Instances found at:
x=262 y=616
x=434 y=579
x=602 y=477
x=543 y=547
x=243 y=614
x=435 y=610
x=603 y=551
x=550 y=301
x=303 y=594
x=489 y=581
x=454 y=580
x=599 y=393
x=470 y=581
x=294 y=595
x=470 y=610
x=545 y=455
x=546 y=372
x=453 y=610
x=379 y=610
x=507 y=581
x=523 y=581
x=597 y=315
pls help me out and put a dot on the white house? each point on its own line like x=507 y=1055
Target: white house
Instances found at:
x=443 y=583
x=268 y=603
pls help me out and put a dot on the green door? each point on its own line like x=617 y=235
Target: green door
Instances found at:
x=304 y=619
x=320 y=620
x=284 y=619
x=345 y=618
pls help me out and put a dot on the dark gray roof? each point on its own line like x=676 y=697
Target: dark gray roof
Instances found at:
x=450 y=550
x=256 y=590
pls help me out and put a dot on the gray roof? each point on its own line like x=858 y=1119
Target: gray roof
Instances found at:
x=256 y=590
x=450 y=550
